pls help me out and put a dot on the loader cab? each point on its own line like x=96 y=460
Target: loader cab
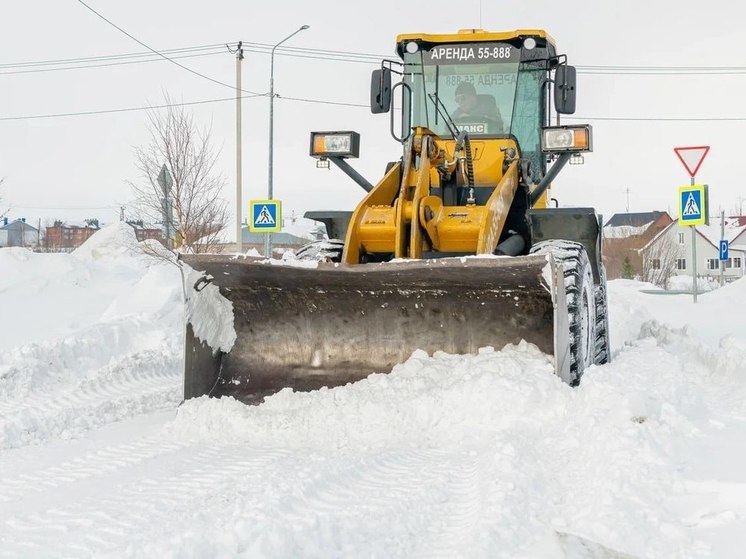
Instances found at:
x=493 y=85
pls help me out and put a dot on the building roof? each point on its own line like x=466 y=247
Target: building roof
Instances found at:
x=634 y=219
x=145 y=226
x=74 y=225
x=730 y=232
x=711 y=233
x=18 y=224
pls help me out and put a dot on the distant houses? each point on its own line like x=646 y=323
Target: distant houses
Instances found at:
x=669 y=253
x=653 y=247
x=145 y=231
x=624 y=235
x=62 y=236
x=18 y=233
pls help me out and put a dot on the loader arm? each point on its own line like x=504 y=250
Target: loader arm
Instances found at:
x=495 y=211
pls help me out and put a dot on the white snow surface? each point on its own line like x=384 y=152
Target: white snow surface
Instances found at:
x=625 y=231
x=486 y=455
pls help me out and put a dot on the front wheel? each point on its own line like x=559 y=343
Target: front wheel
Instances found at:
x=581 y=302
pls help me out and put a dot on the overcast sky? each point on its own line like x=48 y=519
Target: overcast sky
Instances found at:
x=75 y=167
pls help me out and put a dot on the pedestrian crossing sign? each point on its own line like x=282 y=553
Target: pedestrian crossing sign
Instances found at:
x=693 y=202
x=266 y=216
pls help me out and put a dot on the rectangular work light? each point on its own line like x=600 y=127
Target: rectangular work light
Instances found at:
x=566 y=138
x=335 y=144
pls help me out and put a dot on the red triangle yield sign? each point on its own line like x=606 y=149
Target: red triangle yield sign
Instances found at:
x=692 y=157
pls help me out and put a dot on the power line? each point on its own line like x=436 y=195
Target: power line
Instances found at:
x=86 y=208
x=343 y=56
x=107 y=57
x=138 y=41
x=659 y=119
x=348 y=104
x=654 y=71
x=104 y=65
x=127 y=109
x=320 y=102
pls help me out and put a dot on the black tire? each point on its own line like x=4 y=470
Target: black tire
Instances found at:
x=581 y=302
x=603 y=345
x=321 y=251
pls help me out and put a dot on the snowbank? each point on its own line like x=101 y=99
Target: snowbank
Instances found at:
x=96 y=337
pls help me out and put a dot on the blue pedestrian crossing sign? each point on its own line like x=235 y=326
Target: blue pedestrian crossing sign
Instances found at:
x=693 y=202
x=723 y=249
x=266 y=216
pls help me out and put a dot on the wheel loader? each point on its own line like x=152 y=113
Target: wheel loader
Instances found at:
x=459 y=246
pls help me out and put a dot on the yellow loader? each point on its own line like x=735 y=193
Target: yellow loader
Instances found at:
x=456 y=248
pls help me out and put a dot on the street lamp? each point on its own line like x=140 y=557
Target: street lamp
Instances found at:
x=268 y=237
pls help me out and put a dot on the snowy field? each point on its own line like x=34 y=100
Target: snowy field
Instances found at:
x=449 y=456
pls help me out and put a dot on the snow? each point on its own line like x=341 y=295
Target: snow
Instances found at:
x=684 y=283
x=731 y=230
x=486 y=455
x=210 y=314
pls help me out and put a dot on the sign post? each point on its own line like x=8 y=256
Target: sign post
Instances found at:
x=165 y=181
x=723 y=248
x=693 y=200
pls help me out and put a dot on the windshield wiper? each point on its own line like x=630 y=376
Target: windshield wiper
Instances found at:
x=440 y=106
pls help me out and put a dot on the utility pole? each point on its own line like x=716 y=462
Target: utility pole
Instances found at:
x=121 y=213
x=239 y=202
x=722 y=236
x=627 y=191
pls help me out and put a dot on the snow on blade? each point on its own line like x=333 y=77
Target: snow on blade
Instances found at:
x=209 y=313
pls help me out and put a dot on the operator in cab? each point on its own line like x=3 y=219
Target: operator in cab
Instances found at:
x=477 y=114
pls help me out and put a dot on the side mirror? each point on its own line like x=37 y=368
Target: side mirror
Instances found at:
x=380 y=91
x=564 y=89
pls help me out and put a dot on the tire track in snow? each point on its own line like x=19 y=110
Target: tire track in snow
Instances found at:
x=137 y=383
x=104 y=499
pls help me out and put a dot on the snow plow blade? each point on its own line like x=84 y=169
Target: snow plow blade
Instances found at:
x=306 y=328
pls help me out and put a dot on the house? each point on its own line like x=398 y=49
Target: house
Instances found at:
x=144 y=231
x=63 y=236
x=623 y=237
x=670 y=252
x=18 y=233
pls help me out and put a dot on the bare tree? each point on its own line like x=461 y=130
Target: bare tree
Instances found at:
x=659 y=260
x=198 y=211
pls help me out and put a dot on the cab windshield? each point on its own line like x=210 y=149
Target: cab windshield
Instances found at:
x=484 y=88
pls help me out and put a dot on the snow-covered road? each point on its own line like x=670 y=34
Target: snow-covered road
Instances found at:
x=449 y=456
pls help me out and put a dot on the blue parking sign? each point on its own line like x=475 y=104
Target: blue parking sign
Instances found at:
x=723 y=249
x=266 y=216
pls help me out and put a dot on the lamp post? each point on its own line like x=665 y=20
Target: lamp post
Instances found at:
x=239 y=180
x=268 y=237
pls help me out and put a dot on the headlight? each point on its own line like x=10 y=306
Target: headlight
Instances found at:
x=335 y=144
x=566 y=138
